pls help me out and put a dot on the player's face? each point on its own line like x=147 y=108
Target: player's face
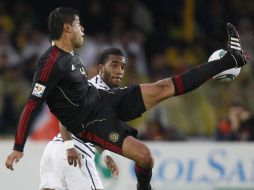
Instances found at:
x=77 y=33
x=113 y=70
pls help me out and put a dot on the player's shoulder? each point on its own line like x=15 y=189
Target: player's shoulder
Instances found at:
x=53 y=53
x=58 y=57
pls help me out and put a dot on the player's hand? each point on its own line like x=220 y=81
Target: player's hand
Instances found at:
x=111 y=165
x=73 y=157
x=14 y=156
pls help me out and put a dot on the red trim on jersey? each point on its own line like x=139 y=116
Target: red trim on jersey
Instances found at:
x=50 y=62
x=24 y=119
x=179 y=84
x=94 y=138
x=51 y=66
x=21 y=122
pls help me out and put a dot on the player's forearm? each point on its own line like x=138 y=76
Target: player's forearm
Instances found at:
x=66 y=135
x=26 y=119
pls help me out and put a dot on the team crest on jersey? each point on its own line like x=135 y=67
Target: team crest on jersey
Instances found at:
x=38 y=90
x=114 y=136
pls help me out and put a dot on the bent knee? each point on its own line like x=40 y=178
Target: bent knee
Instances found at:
x=145 y=159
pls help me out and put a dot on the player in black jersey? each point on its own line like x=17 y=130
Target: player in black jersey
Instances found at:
x=97 y=115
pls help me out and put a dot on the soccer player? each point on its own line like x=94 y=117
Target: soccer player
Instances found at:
x=96 y=115
x=55 y=171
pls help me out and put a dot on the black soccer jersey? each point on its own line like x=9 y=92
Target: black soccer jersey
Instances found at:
x=60 y=79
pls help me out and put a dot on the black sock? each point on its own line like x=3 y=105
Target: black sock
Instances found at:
x=143 y=176
x=196 y=76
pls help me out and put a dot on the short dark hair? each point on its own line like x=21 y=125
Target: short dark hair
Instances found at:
x=57 y=18
x=110 y=51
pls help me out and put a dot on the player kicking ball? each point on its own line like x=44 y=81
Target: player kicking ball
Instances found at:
x=96 y=115
x=55 y=171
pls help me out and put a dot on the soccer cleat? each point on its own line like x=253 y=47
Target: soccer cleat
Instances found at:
x=144 y=188
x=234 y=46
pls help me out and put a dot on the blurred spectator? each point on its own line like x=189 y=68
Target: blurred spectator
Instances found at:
x=35 y=44
x=92 y=47
x=14 y=90
x=237 y=126
x=7 y=48
x=156 y=131
x=157 y=126
x=246 y=30
x=132 y=42
x=6 y=21
x=132 y=75
x=141 y=16
x=246 y=131
x=96 y=16
x=159 y=66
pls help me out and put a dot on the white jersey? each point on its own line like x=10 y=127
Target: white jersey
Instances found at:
x=98 y=83
x=86 y=150
x=56 y=173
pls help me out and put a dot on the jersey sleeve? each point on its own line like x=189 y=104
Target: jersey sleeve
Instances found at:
x=46 y=76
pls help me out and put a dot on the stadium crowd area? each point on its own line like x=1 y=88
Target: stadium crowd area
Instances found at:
x=160 y=38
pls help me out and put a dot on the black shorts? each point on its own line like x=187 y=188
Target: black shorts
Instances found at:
x=107 y=128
